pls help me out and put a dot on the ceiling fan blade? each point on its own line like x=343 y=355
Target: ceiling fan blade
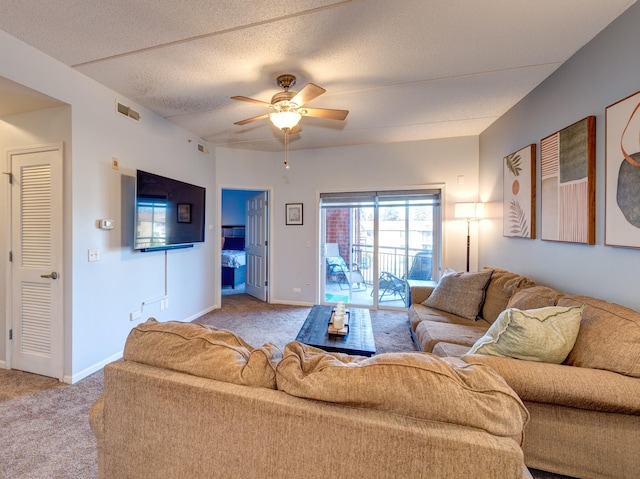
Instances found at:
x=326 y=113
x=251 y=100
x=308 y=93
x=255 y=118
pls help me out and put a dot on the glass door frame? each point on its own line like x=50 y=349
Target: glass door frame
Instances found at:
x=401 y=198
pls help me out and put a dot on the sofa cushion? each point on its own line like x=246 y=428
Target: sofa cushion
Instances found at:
x=568 y=386
x=609 y=336
x=413 y=384
x=430 y=333
x=419 y=312
x=533 y=297
x=460 y=293
x=449 y=350
x=204 y=351
x=500 y=290
x=544 y=334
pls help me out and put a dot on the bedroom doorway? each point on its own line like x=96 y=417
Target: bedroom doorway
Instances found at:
x=244 y=261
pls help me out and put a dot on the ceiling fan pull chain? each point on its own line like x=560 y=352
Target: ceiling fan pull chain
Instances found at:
x=286 y=149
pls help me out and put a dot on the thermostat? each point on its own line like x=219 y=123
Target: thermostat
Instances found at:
x=105 y=224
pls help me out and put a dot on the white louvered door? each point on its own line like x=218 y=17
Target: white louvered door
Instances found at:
x=36 y=268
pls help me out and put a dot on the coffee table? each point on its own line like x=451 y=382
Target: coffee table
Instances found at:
x=314 y=332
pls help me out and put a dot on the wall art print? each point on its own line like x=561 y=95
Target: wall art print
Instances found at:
x=567 y=193
x=519 y=193
x=622 y=173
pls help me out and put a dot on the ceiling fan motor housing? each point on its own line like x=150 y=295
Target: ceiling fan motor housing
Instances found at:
x=281 y=101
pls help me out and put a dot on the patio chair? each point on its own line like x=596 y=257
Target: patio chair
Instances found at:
x=339 y=271
x=390 y=285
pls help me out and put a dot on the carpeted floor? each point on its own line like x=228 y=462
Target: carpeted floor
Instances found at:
x=44 y=431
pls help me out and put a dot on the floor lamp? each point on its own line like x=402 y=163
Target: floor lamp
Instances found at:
x=469 y=212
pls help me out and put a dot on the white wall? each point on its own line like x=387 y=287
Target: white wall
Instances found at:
x=100 y=295
x=389 y=166
x=603 y=72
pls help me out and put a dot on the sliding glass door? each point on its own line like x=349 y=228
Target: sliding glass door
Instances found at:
x=376 y=244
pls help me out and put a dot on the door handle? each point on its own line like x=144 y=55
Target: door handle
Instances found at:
x=53 y=275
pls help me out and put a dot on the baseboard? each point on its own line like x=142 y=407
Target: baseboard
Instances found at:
x=292 y=303
x=91 y=369
x=201 y=313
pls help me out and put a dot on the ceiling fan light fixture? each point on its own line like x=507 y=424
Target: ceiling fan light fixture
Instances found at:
x=285 y=119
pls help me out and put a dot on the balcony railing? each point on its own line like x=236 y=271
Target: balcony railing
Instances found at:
x=416 y=265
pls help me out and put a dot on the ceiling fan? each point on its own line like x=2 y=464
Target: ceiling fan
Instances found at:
x=288 y=106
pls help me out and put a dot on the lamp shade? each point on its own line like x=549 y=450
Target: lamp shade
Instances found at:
x=469 y=211
x=285 y=119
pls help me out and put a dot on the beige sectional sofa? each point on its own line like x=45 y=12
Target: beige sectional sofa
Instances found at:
x=585 y=412
x=190 y=401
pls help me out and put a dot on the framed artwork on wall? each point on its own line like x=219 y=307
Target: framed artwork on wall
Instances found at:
x=293 y=213
x=519 y=193
x=622 y=173
x=567 y=189
x=184 y=212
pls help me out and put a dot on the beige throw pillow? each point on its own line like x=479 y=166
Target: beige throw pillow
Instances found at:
x=460 y=293
x=413 y=384
x=203 y=351
x=545 y=334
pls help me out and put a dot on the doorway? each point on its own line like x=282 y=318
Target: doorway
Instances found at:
x=35 y=341
x=376 y=245
x=244 y=242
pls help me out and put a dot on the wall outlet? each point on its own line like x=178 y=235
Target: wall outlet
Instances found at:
x=297 y=290
x=93 y=255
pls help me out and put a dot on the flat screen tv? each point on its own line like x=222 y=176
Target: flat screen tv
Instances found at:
x=169 y=213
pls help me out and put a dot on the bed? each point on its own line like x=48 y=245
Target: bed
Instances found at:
x=234 y=257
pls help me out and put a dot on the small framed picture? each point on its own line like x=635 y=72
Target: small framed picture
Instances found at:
x=184 y=212
x=294 y=213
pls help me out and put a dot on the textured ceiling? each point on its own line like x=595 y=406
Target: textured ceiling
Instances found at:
x=406 y=70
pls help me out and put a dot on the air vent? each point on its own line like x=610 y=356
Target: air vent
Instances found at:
x=127 y=111
x=203 y=149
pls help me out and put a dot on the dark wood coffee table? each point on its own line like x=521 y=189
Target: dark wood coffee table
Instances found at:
x=314 y=332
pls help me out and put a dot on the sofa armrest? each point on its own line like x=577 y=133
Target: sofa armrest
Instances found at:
x=582 y=388
x=420 y=293
x=96 y=418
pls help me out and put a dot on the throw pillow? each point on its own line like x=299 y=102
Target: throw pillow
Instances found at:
x=413 y=384
x=203 y=351
x=460 y=293
x=545 y=334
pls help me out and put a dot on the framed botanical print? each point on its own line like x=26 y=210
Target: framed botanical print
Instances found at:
x=622 y=173
x=567 y=186
x=519 y=193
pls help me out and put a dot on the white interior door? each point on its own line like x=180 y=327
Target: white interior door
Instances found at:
x=256 y=246
x=36 y=268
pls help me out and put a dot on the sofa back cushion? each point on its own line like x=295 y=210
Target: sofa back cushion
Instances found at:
x=609 y=336
x=500 y=290
x=204 y=351
x=412 y=384
x=460 y=293
x=533 y=297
